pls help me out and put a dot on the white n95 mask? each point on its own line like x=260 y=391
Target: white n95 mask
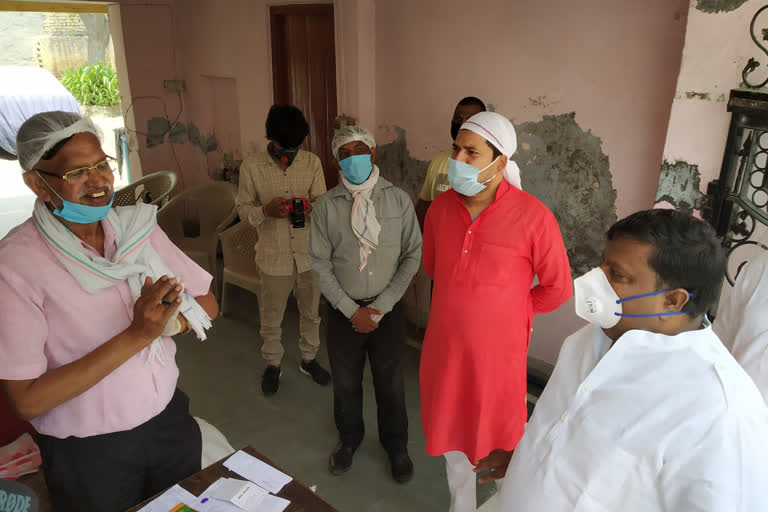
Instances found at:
x=596 y=301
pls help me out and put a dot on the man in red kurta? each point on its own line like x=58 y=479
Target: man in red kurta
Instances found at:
x=483 y=243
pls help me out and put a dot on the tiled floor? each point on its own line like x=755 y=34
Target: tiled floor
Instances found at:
x=295 y=427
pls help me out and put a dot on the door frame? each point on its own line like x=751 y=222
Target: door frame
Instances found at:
x=277 y=54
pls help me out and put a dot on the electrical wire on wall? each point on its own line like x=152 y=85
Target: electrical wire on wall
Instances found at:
x=171 y=126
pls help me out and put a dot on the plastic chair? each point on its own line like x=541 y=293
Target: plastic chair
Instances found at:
x=152 y=189
x=194 y=219
x=240 y=269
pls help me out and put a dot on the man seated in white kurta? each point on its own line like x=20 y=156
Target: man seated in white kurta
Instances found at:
x=646 y=410
x=742 y=321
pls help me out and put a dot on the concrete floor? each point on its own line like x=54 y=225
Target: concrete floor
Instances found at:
x=295 y=427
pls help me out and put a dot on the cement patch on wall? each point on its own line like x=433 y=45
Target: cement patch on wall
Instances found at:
x=159 y=127
x=565 y=168
x=679 y=184
x=398 y=166
x=561 y=164
x=715 y=6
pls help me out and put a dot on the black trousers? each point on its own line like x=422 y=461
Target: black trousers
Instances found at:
x=113 y=472
x=384 y=347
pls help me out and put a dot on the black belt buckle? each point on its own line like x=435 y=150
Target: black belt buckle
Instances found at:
x=365 y=302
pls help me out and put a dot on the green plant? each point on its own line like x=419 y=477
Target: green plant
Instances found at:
x=93 y=85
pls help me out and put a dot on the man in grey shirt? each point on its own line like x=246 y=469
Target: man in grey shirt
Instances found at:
x=365 y=247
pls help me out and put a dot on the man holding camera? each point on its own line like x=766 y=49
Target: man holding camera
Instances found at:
x=277 y=187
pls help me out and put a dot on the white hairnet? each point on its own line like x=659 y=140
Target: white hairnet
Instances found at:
x=350 y=134
x=42 y=131
x=498 y=130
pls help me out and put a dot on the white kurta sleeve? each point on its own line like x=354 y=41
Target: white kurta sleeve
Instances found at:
x=742 y=324
x=725 y=471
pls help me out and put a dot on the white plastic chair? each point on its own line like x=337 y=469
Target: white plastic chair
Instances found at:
x=152 y=189
x=240 y=269
x=206 y=210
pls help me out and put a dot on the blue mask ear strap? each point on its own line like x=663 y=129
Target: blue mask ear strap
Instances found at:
x=648 y=295
x=654 y=314
x=641 y=296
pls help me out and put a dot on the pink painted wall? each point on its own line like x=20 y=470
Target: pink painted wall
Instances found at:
x=712 y=65
x=614 y=64
x=355 y=22
x=717 y=46
x=221 y=49
x=220 y=40
x=149 y=38
x=403 y=63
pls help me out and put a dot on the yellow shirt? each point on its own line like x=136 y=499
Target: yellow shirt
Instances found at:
x=436 y=181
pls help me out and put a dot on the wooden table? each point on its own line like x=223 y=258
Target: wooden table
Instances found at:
x=301 y=497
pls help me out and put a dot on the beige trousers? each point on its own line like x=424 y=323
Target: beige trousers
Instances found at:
x=273 y=296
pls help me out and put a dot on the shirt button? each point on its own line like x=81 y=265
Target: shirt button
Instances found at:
x=469 y=232
x=583 y=389
x=370 y=273
x=720 y=366
x=564 y=417
x=465 y=251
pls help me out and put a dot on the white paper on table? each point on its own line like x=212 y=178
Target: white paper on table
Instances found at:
x=242 y=493
x=169 y=499
x=273 y=504
x=267 y=503
x=256 y=471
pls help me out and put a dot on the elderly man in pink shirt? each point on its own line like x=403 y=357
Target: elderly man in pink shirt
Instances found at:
x=89 y=296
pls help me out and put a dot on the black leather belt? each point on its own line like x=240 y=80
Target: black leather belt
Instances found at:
x=364 y=302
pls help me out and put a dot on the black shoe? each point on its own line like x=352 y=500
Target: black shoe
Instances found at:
x=317 y=372
x=402 y=467
x=341 y=459
x=270 y=381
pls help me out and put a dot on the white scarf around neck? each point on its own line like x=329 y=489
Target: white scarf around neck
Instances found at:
x=363 y=220
x=134 y=260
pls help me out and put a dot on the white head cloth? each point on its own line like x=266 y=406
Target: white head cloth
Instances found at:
x=350 y=134
x=498 y=130
x=42 y=131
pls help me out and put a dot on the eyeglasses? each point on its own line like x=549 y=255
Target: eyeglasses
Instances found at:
x=76 y=176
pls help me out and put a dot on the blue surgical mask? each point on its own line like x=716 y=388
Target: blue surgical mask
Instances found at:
x=83 y=214
x=357 y=168
x=463 y=177
x=80 y=213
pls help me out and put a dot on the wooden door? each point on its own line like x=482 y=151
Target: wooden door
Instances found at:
x=304 y=72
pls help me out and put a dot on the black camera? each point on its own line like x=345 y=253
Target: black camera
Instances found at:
x=297 y=208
